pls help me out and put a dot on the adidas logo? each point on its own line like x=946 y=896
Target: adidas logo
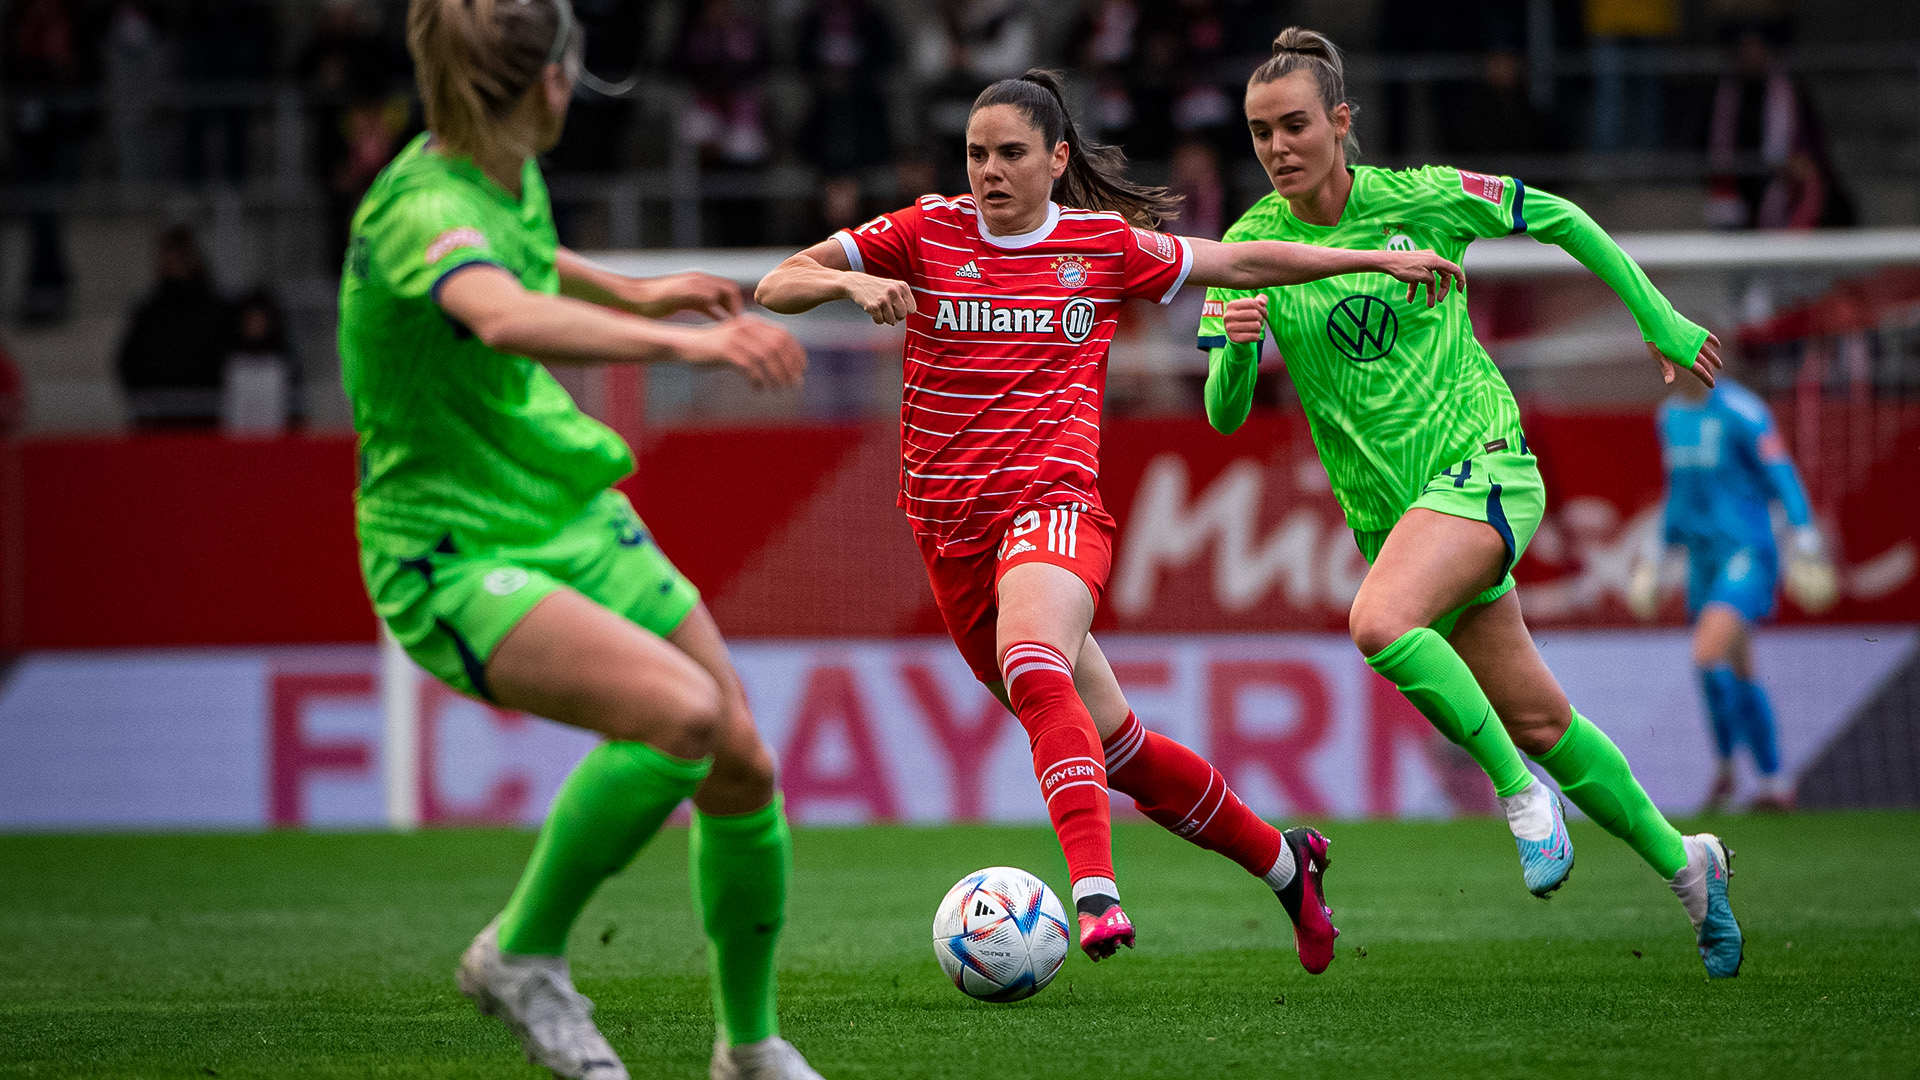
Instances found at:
x=1020 y=548
x=968 y=271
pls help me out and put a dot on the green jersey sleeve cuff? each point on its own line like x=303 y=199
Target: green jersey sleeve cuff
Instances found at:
x=1680 y=341
x=465 y=264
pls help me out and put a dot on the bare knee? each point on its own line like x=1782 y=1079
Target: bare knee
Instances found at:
x=742 y=779
x=1374 y=627
x=1537 y=727
x=684 y=718
x=1710 y=650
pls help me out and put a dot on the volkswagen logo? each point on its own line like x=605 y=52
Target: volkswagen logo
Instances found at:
x=1363 y=327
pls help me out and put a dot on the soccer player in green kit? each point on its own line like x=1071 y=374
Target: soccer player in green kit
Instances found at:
x=1421 y=440
x=496 y=549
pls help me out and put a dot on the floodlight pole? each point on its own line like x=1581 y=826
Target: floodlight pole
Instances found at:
x=400 y=756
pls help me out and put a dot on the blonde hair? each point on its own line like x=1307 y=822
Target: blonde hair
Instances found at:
x=1299 y=49
x=475 y=61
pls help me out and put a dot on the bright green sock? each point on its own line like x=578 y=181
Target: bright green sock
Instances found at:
x=1432 y=676
x=1594 y=774
x=740 y=867
x=610 y=806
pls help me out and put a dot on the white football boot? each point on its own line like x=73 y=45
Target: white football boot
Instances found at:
x=772 y=1058
x=1701 y=886
x=535 y=998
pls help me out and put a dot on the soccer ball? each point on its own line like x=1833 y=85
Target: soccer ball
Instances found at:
x=1000 y=934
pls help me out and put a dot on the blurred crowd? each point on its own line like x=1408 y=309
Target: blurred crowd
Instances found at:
x=867 y=99
x=853 y=87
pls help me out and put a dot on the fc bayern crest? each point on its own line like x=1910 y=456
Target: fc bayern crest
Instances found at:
x=1071 y=271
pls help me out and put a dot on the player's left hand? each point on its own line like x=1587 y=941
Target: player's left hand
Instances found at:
x=702 y=293
x=1704 y=365
x=1811 y=578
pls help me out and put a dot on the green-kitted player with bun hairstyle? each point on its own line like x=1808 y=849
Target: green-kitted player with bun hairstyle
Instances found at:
x=1421 y=439
x=496 y=549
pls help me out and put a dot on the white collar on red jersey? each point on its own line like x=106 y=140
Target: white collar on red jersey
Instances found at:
x=1025 y=239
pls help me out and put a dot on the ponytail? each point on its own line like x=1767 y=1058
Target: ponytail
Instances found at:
x=475 y=61
x=1096 y=176
x=1297 y=49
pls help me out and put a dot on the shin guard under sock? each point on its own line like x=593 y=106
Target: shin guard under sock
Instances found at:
x=740 y=865
x=1720 y=688
x=608 y=808
x=1181 y=792
x=1594 y=775
x=1756 y=715
x=1066 y=755
x=1439 y=684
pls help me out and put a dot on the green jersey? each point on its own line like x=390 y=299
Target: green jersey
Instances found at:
x=457 y=440
x=1395 y=391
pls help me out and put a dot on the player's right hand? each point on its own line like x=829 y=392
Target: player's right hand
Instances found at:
x=1246 y=319
x=767 y=355
x=1704 y=365
x=1418 y=268
x=1643 y=591
x=886 y=300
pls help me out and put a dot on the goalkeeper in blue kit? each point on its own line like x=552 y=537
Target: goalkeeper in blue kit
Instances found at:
x=1726 y=465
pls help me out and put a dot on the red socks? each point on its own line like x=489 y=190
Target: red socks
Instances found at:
x=1180 y=791
x=1067 y=757
x=1171 y=784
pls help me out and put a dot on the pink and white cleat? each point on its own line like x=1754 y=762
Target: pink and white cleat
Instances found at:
x=1102 y=935
x=1305 y=899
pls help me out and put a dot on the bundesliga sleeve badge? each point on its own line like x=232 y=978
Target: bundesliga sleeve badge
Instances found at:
x=1157 y=244
x=1490 y=188
x=466 y=236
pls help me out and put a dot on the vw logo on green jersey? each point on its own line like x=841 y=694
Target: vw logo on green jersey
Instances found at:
x=1363 y=327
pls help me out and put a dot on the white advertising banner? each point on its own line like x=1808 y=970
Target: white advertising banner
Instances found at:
x=865 y=730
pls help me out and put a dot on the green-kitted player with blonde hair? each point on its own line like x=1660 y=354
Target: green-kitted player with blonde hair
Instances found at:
x=1421 y=440
x=496 y=549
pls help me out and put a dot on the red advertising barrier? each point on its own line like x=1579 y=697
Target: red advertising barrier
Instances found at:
x=792 y=531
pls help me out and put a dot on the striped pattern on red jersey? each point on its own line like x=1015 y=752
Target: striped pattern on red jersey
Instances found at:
x=1006 y=354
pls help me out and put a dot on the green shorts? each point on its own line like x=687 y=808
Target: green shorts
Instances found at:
x=1502 y=489
x=451 y=608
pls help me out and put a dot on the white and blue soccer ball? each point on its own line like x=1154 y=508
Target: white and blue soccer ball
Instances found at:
x=1000 y=934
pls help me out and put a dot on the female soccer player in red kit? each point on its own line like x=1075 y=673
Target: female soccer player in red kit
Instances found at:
x=1010 y=296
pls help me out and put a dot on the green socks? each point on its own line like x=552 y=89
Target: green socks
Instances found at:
x=1594 y=774
x=1591 y=771
x=610 y=806
x=1438 y=682
x=740 y=866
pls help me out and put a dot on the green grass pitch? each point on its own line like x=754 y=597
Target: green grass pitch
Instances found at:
x=316 y=955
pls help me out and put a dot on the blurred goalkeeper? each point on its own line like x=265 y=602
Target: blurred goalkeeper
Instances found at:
x=1725 y=465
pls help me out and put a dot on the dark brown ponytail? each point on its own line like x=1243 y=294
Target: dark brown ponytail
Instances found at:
x=1096 y=176
x=1298 y=49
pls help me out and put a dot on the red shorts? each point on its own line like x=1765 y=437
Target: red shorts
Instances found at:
x=966 y=587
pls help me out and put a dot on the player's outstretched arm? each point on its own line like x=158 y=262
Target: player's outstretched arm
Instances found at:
x=1670 y=336
x=1263 y=264
x=492 y=304
x=655 y=297
x=821 y=274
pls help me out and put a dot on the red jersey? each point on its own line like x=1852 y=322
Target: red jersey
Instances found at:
x=1006 y=354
